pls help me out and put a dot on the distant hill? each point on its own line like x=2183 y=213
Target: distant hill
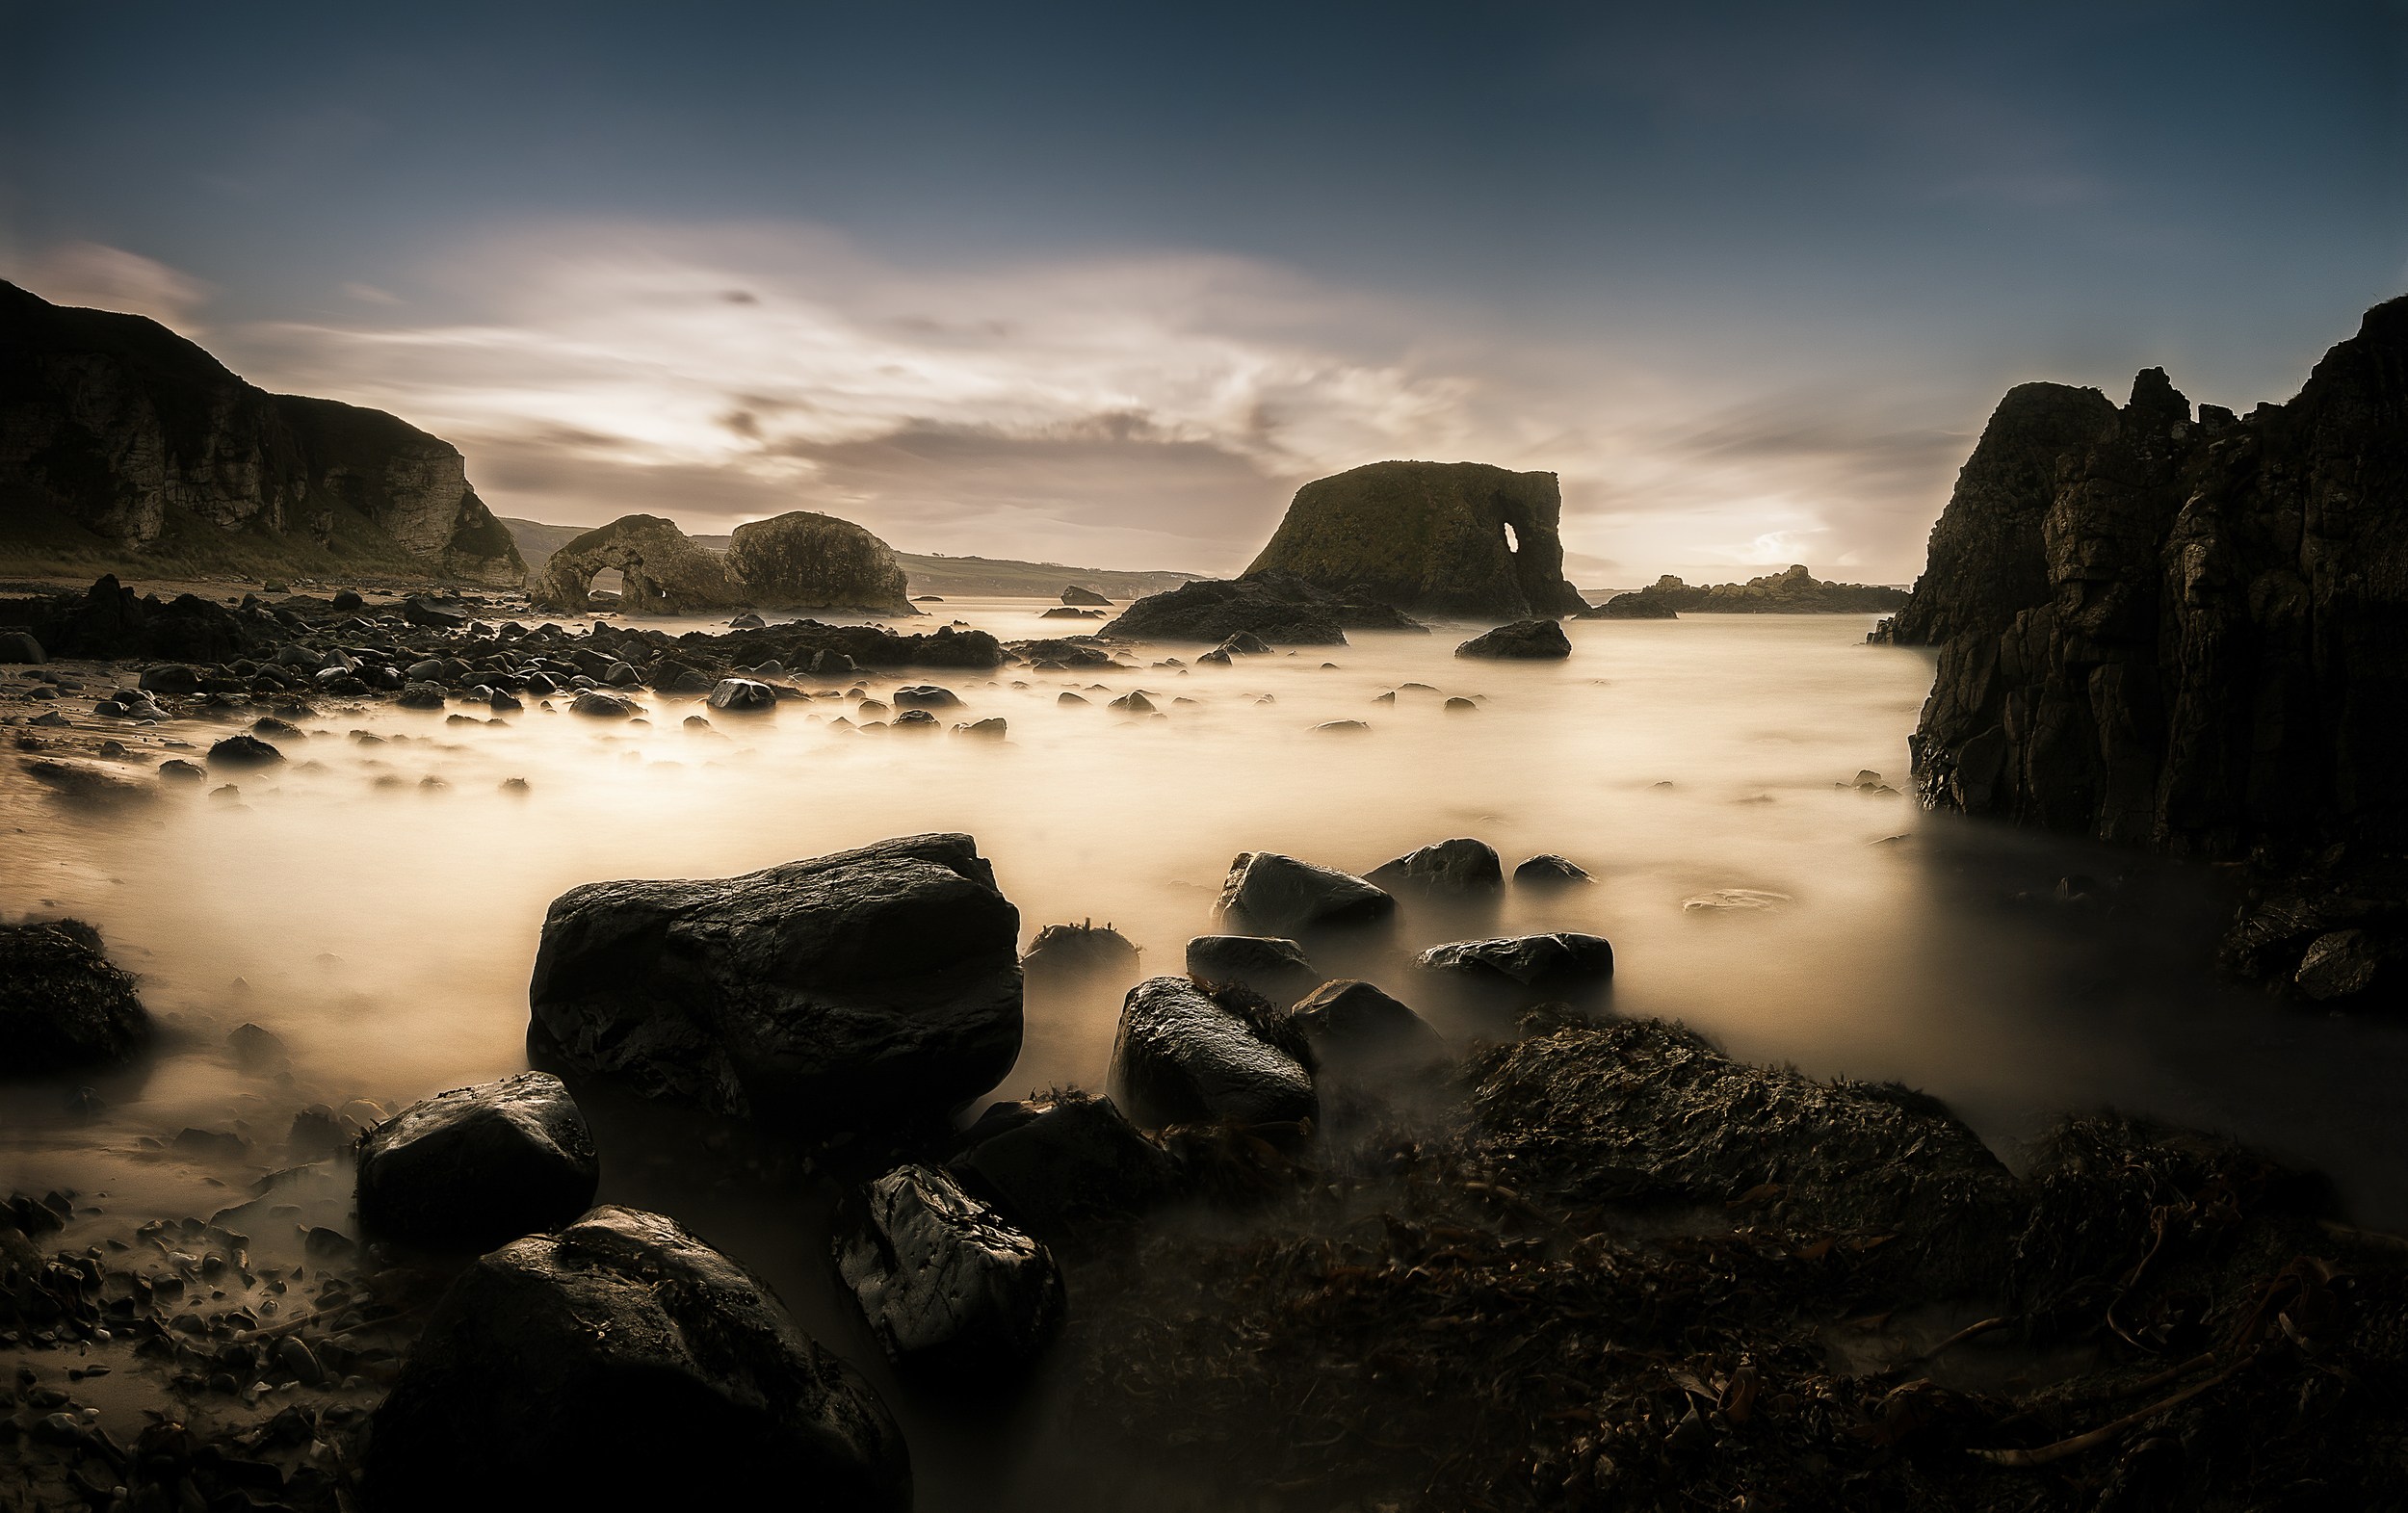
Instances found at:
x=967 y=577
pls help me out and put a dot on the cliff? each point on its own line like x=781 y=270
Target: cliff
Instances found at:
x=1455 y=538
x=2190 y=634
x=119 y=438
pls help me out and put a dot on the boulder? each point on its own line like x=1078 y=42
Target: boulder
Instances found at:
x=605 y=705
x=1360 y=1033
x=742 y=696
x=1277 y=606
x=1462 y=865
x=1270 y=894
x=18 y=648
x=476 y=1167
x=175 y=770
x=1071 y=953
x=1547 y=869
x=1277 y=969
x=243 y=751
x=1562 y=961
x=993 y=728
x=547 y=1362
x=1069 y=653
x=872 y=986
x=924 y=695
x=800 y=560
x=1074 y=594
x=665 y=572
x=1181 y=1057
x=914 y=719
x=346 y=602
x=1246 y=644
x=1065 y=1166
x=1523 y=640
x=1132 y=703
x=948 y=1286
x=435 y=615
x=171 y=678
x=62 y=1005
x=1453 y=539
x=424 y=695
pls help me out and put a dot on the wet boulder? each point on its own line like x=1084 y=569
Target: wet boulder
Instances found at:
x=993 y=728
x=21 y=648
x=947 y=1285
x=1462 y=865
x=623 y=1363
x=1563 y=960
x=421 y=695
x=1277 y=969
x=243 y=751
x=924 y=695
x=742 y=696
x=63 y=1005
x=435 y=615
x=1183 y=1058
x=1359 y=1032
x=604 y=706
x=1523 y=640
x=172 y=678
x=477 y=1167
x=1073 y=953
x=805 y=561
x=1547 y=869
x=1065 y=1166
x=1270 y=894
x=879 y=985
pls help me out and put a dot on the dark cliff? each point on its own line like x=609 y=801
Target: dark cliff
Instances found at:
x=116 y=435
x=2189 y=634
x=1460 y=539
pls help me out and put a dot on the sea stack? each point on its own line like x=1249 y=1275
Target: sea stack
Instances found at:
x=801 y=561
x=665 y=572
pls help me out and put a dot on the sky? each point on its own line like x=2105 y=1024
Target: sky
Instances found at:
x=1103 y=284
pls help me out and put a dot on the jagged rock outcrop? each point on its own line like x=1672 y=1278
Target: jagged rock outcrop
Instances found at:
x=1274 y=604
x=2188 y=634
x=118 y=435
x=1794 y=590
x=665 y=572
x=800 y=560
x=1455 y=538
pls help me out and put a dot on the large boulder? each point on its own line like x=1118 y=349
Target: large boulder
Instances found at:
x=623 y=1363
x=1276 y=605
x=948 y=1286
x=63 y=1005
x=1462 y=865
x=1270 y=894
x=474 y=1169
x=1360 y=1033
x=800 y=560
x=1457 y=538
x=878 y=986
x=1277 y=969
x=665 y=572
x=1562 y=962
x=21 y=647
x=1526 y=640
x=1065 y=1166
x=742 y=696
x=1182 y=1057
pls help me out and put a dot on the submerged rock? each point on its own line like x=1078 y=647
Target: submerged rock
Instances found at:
x=63 y=1005
x=947 y=1285
x=1547 y=869
x=623 y=1363
x=1270 y=894
x=243 y=751
x=742 y=696
x=1065 y=1167
x=1181 y=1057
x=1074 y=594
x=872 y=986
x=1523 y=640
x=476 y=1167
x=1275 y=605
x=1277 y=969
x=1077 y=953
x=1460 y=866
x=1560 y=960
x=605 y=705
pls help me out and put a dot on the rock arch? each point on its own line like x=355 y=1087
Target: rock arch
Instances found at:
x=666 y=572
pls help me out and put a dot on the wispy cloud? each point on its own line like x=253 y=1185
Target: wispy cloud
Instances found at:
x=102 y=277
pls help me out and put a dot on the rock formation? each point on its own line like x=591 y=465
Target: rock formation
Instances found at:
x=802 y=560
x=1275 y=605
x=1523 y=640
x=1459 y=538
x=665 y=572
x=472 y=1169
x=2188 y=634
x=1794 y=590
x=119 y=435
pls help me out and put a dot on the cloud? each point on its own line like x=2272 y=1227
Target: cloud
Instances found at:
x=100 y=277
x=370 y=293
x=1139 y=408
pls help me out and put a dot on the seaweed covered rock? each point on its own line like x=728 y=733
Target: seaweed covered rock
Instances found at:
x=1277 y=969
x=801 y=561
x=1523 y=640
x=477 y=1167
x=1462 y=865
x=1081 y=952
x=1457 y=538
x=1183 y=1058
x=1065 y=1166
x=664 y=571
x=946 y=1284
x=63 y=1005
x=545 y=1361
x=872 y=986
x=1270 y=894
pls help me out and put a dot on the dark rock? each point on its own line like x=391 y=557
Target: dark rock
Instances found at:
x=422 y=695
x=314 y=1132
x=1460 y=538
x=1525 y=639
x=1268 y=893
x=89 y=785
x=1277 y=969
x=665 y=572
x=1561 y=961
x=914 y=719
x=348 y=601
x=1794 y=590
x=62 y=1005
x=1069 y=653
x=176 y=769
x=993 y=728
x=747 y=621
x=874 y=984
x=605 y=705
x=802 y=560
x=1548 y=871
x=1360 y=1033
x=1074 y=594
x=1458 y=867
x=1462 y=706
x=948 y=1286
x=1641 y=606
x=545 y=1361
x=1246 y=644
x=742 y=696
x=476 y=1167
x=1181 y=1057
x=1278 y=606
x=1070 y=954
x=21 y=648
x=171 y=678
x=210 y=1146
x=1067 y=614
x=925 y=695
x=300 y=1363
x=257 y=1050
x=436 y=615
x=243 y=751
x=1132 y=703
x=1066 y=1166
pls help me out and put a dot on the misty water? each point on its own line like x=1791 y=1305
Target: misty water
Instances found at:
x=383 y=924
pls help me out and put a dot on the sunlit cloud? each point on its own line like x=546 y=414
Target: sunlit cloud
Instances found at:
x=111 y=278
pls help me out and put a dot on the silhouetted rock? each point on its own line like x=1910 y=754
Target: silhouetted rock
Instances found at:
x=243 y=751
x=1548 y=871
x=545 y=1361
x=1270 y=894
x=1561 y=961
x=1074 y=953
x=1457 y=539
x=1360 y=1033
x=948 y=1286
x=1074 y=594
x=1639 y=605
x=802 y=560
x=1277 y=969
x=63 y=1005
x=1275 y=605
x=1525 y=639
x=872 y=986
x=742 y=696
x=1065 y=1167
x=665 y=572
x=21 y=648
x=477 y=1167
x=1459 y=866
x=1794 y=590
x=592 y=701
x=1181 y=1057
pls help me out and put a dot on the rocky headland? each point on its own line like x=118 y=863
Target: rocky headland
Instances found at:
x=1794 y=590
x=2187 y=630
x=122 y=441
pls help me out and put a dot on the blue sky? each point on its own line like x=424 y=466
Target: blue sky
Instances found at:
x=1103 y=283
